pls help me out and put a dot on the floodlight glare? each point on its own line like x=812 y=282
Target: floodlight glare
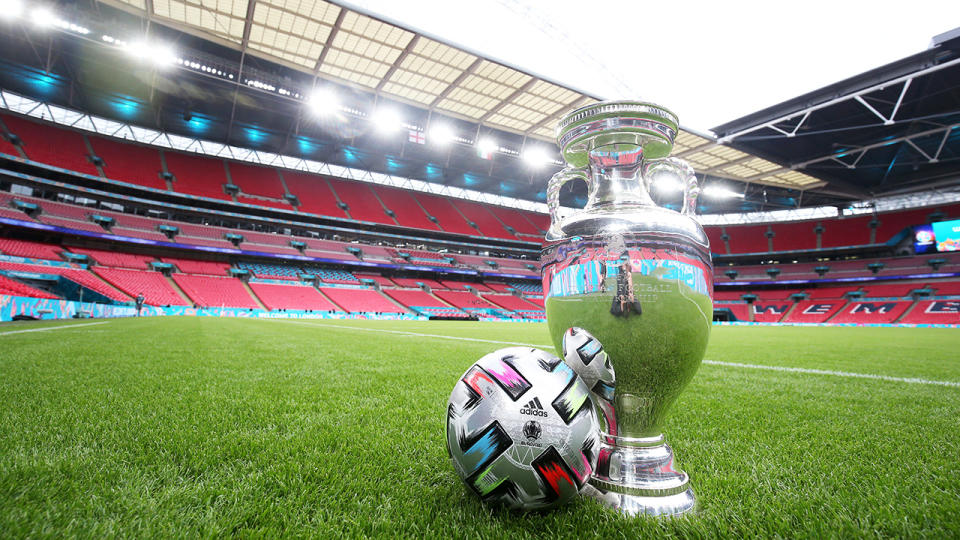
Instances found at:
x=716 y=191
x=324 y=101
x=11 y=9
x=441 y=135
x=487 y=146
x=535 y=157
x=42 y=17
x=667 y=183
x=386 y=120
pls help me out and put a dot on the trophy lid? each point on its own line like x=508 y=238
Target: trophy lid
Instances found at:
x=616 y=122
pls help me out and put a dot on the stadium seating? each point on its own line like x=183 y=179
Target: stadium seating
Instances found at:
x=715 y=235
x=510 y=302
x=51 y=145
x=381 y=280
x=197 y=175
x=464 y=300
x=794 y=236
x=314 y=194
x=813 y=311
x=271 y=271
x=213 y=291
x=361 y=202
x=405 y=207
x=154 y=286
x=486 y=223
x=866 y=312
x=81 y=277
x=850 y=231
x=335 y=276
x=449 y=219
x=890 y=290
x=254 y=180
x=302 y=297
x=748 y=238
x=128 y=162
x=425 y=303
x=115 y=258
x=770 y=311
x=15 y=288
x=361 y=300
x=194 y=266
x=515 y=219
x=30 y=250
x=933 y=312
x=946 y=288
x=741 y=311
x=412 y=283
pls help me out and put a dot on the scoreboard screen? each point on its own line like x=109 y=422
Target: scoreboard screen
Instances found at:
x=947 y=235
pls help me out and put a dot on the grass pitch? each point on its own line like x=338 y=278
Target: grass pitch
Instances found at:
x=203 y=427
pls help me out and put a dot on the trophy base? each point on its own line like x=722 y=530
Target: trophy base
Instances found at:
x=636 y=476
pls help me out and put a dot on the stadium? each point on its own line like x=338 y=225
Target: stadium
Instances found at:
x=247 y=247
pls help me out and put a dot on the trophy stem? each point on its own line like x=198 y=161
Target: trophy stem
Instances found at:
x=638 y=479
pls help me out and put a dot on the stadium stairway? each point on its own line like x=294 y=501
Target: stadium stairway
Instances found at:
x=254 y=296
x=338 y=306
x=176 y=288
x=401 y=307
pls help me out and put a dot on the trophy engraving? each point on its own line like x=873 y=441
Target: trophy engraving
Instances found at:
x=636 y=277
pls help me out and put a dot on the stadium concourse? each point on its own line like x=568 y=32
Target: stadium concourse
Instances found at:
x=72 y=247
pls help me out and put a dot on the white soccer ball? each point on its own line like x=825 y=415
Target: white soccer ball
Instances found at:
x=584 y=353
x=521 y=429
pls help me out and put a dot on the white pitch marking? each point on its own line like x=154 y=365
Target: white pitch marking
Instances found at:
x=52 y=328
x=910 y=380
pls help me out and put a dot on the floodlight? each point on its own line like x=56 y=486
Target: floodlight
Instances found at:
x=42 y=17
x=160 y=55
x=441 y=134
x=11 y=9
x=667 y=183
x=324 y=101
x=535 y=156
x=486 y=147
x=386 y=119
x=717 y=191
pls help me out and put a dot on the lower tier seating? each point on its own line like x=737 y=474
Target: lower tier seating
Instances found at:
x=934 y=312
x=212 y=291
x=302 y=297
x=361 y=300
x=13 y=287
x=154 y=286
x=866 y=312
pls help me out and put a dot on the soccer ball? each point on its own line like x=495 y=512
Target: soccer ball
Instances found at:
x=585 y=354
x=521 y=429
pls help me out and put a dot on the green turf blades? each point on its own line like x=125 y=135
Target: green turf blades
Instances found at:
x=267 y=428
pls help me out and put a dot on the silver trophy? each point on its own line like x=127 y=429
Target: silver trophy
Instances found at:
x=636 y=277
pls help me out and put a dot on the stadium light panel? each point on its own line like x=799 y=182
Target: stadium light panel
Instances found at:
x=386 y=120
x=11 y=9
x=716 y=191
x=486 y=147
x=441 y=135
x=42 y=17
x=323 y=102
x=159 y=55
x=535 y=157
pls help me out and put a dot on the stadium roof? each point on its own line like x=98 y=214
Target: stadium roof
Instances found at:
x=343 y=44
x=890 y=131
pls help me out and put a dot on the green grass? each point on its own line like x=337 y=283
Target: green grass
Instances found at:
x=203 y=427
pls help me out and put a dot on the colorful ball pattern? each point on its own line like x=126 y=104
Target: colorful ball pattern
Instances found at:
x=521 y=429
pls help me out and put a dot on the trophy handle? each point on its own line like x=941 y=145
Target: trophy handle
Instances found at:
x=688 y=177
x=553 y=196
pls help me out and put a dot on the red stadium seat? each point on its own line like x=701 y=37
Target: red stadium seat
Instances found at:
x=52 y=145
x=128 y=162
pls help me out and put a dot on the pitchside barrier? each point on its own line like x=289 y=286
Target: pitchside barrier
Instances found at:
x=879 y=325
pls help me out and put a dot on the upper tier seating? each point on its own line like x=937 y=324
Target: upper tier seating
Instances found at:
x=54 y=146
x=406 y=208
x=194 y=266
x=303 y=297
x=212 y=291
x=30 y=250
x=15 y=288
x=794 y=236
x=254 y=180
x=514 y=218
x=7 y=147
x=314 y=194
x=867 y=312
x=130 y=163
x=447 y=216
x=486 y=223
x=829 y=292
x=115 y=258
x=361 y=300
x=747 y=238
x=154 y=286
x=934 y=312
x=848 y=231
x=890 y=290
x=76 y=275
x=361 y=202
x=715 y=235
x=197 y=175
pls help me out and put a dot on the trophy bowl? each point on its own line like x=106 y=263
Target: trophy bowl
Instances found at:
x=638 y=278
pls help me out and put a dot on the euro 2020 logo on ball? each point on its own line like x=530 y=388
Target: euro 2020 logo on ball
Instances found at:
x=521 y=429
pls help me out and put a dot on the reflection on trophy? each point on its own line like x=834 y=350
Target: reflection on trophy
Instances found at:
x=638 y=279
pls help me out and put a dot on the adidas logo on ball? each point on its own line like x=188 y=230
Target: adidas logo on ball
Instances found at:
x=533 y=408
